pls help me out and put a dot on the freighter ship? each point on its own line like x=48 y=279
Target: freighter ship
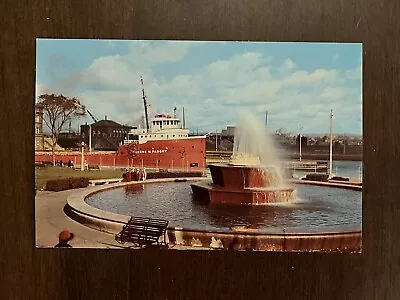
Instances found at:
x=164 y=143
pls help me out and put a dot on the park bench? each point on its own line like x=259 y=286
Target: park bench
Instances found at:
x=143 y=232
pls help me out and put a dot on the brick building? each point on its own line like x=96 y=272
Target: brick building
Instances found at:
x=39 y=137
x=106 y=134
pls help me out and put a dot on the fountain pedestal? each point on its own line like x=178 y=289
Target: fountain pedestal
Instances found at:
x=242 y=184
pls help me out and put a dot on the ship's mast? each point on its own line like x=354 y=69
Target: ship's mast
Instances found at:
x=145 y=105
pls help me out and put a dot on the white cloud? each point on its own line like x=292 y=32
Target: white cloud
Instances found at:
x=334 y=93
x=212 y=94
x=355 y=73
x=168 y=51
x=288 y=64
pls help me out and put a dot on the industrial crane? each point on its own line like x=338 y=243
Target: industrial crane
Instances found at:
x=93 y=118
x=90 y=130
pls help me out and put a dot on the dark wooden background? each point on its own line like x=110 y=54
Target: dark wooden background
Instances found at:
x=28 y=273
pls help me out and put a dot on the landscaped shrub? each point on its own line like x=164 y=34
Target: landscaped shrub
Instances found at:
x=173 y=175
x=338 y=178
x=39 y=165
x=63 y=184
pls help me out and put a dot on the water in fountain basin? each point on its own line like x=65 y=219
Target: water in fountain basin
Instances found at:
x=254 y=146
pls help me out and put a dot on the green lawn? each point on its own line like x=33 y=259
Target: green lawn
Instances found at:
x=42 y=175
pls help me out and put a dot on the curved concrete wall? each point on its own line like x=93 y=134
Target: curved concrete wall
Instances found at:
x=112 y=223
x=340 y=241
x=79 y=210
x=347 y=186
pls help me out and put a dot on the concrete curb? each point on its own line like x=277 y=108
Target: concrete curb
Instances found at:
x=328 y=184
x=245 y=239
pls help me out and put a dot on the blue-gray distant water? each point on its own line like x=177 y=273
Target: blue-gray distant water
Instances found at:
x=352 y=169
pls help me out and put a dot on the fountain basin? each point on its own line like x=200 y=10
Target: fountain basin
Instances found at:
x=244 y=240
x=343 y=239
x=213 y=194
x=242 y=184
x=242 y=176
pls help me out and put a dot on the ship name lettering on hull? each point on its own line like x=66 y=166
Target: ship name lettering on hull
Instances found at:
x=151 y=151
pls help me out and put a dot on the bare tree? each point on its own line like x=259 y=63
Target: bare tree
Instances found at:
x=57 y=111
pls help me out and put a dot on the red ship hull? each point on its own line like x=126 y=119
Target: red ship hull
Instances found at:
x=185 y=154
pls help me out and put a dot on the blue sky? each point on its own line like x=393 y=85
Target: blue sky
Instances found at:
x=298 y=83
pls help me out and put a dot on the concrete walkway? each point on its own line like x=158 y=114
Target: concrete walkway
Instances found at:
x=51 y=220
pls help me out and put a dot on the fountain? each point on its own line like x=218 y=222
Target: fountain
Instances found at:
x=308 y=218
x=253 y=176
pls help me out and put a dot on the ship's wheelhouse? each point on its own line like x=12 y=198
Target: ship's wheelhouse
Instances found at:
x=164 y=122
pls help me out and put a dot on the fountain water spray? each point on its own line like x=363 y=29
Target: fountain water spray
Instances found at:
x=254 y=146
x=253 y=176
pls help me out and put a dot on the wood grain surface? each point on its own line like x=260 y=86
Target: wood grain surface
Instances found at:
x=29 y=273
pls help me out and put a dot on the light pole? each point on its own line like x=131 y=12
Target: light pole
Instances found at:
x=82 y=157
x=90 y=138
x=301 y=127
x=330 y=146
x=216 y=140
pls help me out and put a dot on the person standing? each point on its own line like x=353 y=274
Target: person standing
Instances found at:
x=63 y=238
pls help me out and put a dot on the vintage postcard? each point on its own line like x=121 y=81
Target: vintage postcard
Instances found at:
x=188 y=145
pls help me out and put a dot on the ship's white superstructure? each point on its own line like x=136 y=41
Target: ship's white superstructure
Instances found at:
x=162 y=127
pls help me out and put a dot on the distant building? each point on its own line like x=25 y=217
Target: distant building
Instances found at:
x=229 y=131
x=39 y=137
x=106 y=134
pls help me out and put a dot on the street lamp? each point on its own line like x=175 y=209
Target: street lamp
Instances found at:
x=82 y=157
x=330 y=144
x=90 y=138
x=301 y=127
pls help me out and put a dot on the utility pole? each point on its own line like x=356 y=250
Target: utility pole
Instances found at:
x=266 y=118
x=90 y=138
x=82 y=157
x=344 y=144
x=331 y=142
x=301 y=127
x=216 y=140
